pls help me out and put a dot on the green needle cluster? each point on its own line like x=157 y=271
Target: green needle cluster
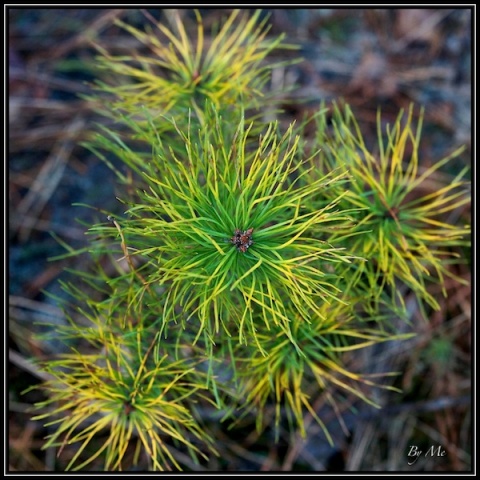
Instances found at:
x=246 y=260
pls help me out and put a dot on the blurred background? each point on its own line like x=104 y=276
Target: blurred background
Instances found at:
x=370 y=58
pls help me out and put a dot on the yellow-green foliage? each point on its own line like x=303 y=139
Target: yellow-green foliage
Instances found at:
x=190 y=316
